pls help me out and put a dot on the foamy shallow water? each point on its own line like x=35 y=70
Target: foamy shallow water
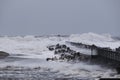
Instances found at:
x=31 y=52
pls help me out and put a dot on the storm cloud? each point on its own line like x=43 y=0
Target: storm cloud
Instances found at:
x=44 y=17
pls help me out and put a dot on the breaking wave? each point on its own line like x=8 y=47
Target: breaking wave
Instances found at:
x=103 y=40
x=31 y=51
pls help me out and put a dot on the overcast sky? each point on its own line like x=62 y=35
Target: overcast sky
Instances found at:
x=44 y=17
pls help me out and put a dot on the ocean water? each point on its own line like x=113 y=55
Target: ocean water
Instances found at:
x=27 y=60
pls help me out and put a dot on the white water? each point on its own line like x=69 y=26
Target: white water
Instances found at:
x=35 y=52
x=103 y=40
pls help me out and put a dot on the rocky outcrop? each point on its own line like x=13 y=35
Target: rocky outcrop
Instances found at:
x=66 y=53
x=3 y=54
x=51 y=48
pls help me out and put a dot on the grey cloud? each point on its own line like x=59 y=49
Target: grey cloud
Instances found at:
x=40 y=17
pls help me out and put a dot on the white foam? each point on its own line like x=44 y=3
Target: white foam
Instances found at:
x=35 y=52
x=103 y=40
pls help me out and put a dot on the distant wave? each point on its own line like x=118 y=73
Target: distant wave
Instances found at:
x=102 y=40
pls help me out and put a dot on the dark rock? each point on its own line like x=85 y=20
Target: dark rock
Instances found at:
x=57 y=46
x=69 y=57
x=47 y=59
x=56 y=52
x=78 y=54
x=51 y=48
x=3 y=54
x=52 y=59
x=68 y=48
x=118 y=70
x=37 y=68
x=64 y=46
x=67 y=54
x=62 y=51
x=62 y=56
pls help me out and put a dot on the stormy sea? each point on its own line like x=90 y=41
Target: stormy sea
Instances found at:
x=28 y=54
